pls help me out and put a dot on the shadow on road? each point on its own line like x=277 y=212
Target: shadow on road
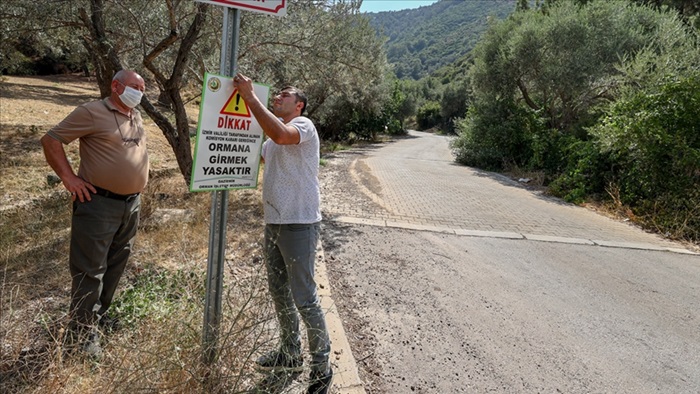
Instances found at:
x=355 y=150
x=538 y=192
x=335 y=234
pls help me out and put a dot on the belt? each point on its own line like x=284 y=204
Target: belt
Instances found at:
x=106 y=193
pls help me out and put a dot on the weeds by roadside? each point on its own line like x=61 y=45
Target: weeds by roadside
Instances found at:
x=156 y=345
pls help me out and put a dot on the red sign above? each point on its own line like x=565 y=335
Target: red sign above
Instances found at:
x=271 y=7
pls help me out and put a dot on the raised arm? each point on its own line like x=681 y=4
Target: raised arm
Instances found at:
x=276 y=129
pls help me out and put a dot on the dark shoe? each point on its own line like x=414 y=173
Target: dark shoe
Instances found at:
x=83 y=339
x=91 y=346
x=319 y=382
x=280 y=361
x=109 y=323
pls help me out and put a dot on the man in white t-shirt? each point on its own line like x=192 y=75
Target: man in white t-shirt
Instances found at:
x=291 y=198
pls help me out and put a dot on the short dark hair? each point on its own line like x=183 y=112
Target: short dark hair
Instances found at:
x=299 y=94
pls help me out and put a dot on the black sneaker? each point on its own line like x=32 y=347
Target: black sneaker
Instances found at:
x=83 y=338
x=109 y=323
x=280 y=361
x=319 y=382
x=91 y=346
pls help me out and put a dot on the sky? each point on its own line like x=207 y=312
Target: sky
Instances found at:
x=392 y=5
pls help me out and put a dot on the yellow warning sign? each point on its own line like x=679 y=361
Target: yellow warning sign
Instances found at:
x=236 y=106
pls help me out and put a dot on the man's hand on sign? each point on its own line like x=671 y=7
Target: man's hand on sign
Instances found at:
x=273 y=125
x=244 y=86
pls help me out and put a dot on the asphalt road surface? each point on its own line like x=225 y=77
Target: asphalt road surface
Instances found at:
x=454 y=280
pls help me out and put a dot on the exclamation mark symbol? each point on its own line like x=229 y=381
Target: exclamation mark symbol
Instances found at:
x=238 y=98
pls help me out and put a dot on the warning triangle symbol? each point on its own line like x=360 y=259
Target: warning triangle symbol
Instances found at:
x=236 y=106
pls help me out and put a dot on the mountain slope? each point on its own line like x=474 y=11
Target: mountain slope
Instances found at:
x=424 y=39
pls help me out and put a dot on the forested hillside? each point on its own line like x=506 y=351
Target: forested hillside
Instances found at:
x=597 y=98
x=422 y=40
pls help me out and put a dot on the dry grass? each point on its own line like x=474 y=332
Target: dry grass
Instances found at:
x=157 y=348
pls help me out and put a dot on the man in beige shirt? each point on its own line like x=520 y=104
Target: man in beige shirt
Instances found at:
x=105 y=192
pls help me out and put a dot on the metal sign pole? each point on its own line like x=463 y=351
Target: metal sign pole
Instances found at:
x=219 y=208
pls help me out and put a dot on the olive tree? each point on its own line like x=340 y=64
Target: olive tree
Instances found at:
x=326 y=47
x=540 y=79
x=155 y=37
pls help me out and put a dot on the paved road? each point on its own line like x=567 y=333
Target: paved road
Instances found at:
x=450 y=279
x=414 y=182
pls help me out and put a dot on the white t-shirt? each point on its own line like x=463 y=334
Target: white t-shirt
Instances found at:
x=291 y=193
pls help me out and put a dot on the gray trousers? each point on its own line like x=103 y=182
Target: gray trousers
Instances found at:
x=290 y=251
x=102 y=235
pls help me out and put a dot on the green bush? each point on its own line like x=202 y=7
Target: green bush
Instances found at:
x=428 y=115
x=550 y=148
x=495 y=135
x=585 y=175
x=453 y=105
x=655 y=140
x=394 y=127
x=543 y=79
x=348 y=117
x=652 y=140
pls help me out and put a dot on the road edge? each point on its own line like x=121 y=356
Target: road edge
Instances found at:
x=346 y=378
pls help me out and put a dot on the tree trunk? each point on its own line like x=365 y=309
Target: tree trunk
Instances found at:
x=104 y=58
x=102 y=55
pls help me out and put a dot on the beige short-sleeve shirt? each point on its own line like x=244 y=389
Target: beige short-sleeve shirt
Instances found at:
x=113 y=152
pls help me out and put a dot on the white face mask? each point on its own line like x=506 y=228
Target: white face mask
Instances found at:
x=131 y=97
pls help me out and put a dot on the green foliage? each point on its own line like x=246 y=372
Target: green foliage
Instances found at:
x=358 y=122
x=423 y=40
x=407 y=106
x=453 y=104
x=41 y=44
x=156 y=294
x=494 y=135
x=428 y=90
x=348 y=121
x=558 y=69
x=452 y=98
x=646 y=155
x=428 y=115
x=655 y=140
x=395 y=111
x=432 y=46
x=585 y=175
x=16 y=63
x=561 y=62
x=550 y=148
x=688 y=9
x=332 y=52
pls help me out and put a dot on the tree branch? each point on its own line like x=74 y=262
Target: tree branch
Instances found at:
x=526 y=95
